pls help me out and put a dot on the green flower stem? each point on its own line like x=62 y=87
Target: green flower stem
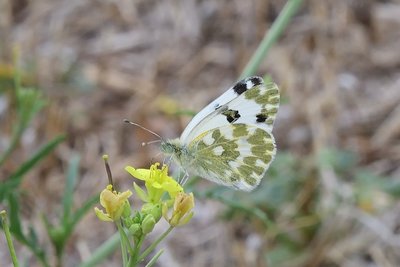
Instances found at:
x=134 y=259
x=153 y=246
x=271 y=36
x=7 y=233
x=125 y=244
x=154 y=259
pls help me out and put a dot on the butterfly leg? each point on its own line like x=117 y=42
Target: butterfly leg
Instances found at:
x=180 y=177
x=184 y=179
x=167 y=160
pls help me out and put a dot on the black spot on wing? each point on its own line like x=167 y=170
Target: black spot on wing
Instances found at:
x=240 y=87
x=261 y=117
x=256 y=80
x=231 y=115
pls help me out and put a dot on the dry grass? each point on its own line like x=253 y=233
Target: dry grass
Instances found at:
x=99 y=62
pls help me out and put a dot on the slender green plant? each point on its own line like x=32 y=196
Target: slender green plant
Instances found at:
x=59 y=234
x=271 y=36
x=7 y=233
x=28 y=103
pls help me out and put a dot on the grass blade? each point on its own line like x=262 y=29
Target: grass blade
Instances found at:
x=37 y=157
x=72 y=175
x=271 y=36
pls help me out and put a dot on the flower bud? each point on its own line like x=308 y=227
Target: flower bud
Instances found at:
x=135 y=229
x=182 y=212
x=148 y=224
x=153 y=209
x=114 y=203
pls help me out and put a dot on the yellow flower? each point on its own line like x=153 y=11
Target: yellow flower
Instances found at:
x=182 y=212
x=114 y=204
x=157 y=182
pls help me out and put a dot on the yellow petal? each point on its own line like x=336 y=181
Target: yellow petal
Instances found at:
x=141 y=174
x=102 y=216
x=186 y=219
x=114 y=202
x=105 y=197
x=172 y=187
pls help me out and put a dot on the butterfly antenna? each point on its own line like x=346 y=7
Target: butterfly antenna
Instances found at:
x=144 y=128
x=151 y=142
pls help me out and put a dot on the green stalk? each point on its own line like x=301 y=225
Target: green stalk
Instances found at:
x=20 y=129
x=134 y=260
x=125 y=244
x=7 y=233
x=102 y=252
x=154 y=259
x=13 y=144
x=153 y=246
x=271 y=36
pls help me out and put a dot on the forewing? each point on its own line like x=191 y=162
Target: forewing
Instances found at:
x=236 y=155
x=249 y=101
x=198 y=121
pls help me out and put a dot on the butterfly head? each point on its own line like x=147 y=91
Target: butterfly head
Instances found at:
x=177 y=150
x=171 y=147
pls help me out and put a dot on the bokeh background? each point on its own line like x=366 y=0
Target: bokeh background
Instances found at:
x=330 y=197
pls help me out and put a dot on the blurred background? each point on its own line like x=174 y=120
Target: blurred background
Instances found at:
x=330 y=197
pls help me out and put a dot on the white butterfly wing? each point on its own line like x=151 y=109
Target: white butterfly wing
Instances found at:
x=197 y=120
x=249 y=101
x=236 y=155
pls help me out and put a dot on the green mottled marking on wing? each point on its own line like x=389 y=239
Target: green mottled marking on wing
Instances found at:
x=267 y=96
x=240 y=130
x=243 y=160
x=230 y=151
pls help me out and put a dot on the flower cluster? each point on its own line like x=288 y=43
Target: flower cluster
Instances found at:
x=162 y=197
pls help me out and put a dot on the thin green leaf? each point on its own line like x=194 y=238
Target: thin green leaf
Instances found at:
x=271 y=36
x=155 y=258
x=32 y=235
x=103 y=251
x=14 y=180
x=15 y=221
x=392 y=187
x=36 y=158
x=78 y=214
x=16 y=229
x=72 y=175
x=29 y=103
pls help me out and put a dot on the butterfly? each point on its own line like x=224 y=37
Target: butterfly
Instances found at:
x=230 y=141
